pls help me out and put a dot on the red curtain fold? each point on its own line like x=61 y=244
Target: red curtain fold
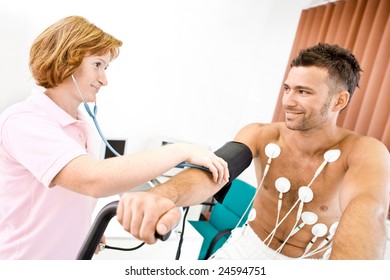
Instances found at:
x=362 y=26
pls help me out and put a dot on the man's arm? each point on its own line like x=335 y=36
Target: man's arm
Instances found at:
x=364 y=200
x=142 y=214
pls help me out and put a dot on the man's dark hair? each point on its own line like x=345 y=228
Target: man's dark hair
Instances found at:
x=343 y=68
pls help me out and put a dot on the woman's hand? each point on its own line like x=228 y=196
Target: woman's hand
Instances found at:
x=206 y=158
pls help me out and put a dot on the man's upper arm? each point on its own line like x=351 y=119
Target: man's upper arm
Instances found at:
x=368 y=173
x=193 y=186
x=364 y=200
x=249 y=135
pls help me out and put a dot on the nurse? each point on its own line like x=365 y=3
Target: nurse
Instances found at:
x=49 y=183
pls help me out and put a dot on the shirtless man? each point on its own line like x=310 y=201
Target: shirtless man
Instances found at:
x=350 y=192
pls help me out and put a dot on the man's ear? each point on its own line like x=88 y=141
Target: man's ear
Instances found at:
x=341 y=100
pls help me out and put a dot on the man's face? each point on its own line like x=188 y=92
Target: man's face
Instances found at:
x=306 y=98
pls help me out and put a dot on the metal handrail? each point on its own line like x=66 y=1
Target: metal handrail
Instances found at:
x=97 y=230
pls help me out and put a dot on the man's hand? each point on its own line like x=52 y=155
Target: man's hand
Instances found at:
x=144 y=213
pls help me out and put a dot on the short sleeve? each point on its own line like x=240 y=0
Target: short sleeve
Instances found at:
x=42 y=146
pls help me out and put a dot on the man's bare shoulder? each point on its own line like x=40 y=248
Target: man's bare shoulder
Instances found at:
x=256 y=135
x=354 y=142
x=364 y=152
x=262 y=129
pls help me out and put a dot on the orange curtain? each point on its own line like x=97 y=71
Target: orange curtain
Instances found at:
x=362 y=26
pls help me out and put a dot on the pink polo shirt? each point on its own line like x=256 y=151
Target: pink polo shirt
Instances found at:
x=37 y=139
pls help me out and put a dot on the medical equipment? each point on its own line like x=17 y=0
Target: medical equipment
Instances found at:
x=93 y=116
x=97 y=230
x=101 y=224
x=308 y=218
x=329 y=156
x=326 y=241
x=282 y=185
x=238 y=157
x=92 y=241
x=305 y=195
x=332 y=231
x=318 y=230
x=272 y=151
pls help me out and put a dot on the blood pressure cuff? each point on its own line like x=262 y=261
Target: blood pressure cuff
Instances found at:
x=239 y=157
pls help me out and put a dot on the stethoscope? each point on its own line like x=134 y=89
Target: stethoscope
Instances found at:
x=181 y=165
x=93 y=116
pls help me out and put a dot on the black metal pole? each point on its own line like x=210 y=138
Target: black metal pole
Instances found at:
x=97 y=230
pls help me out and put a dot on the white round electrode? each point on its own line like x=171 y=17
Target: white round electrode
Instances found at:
x=332 y=155
x=319 y=230
x=272 y=150
x=282 y=184
x=305 y=194
x=309 y=218
x=252 y=215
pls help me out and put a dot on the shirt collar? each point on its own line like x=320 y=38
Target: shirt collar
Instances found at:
x=41 y=100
